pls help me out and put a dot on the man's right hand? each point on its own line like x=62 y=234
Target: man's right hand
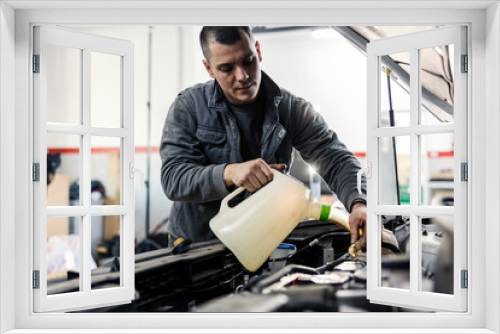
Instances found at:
x=251 y=175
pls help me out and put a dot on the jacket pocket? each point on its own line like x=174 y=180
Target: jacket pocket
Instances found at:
x=214 y=145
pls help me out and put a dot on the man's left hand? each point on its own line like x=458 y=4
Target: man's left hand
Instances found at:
x=357 y=221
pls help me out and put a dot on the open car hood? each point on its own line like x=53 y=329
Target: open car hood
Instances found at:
x=437 y=75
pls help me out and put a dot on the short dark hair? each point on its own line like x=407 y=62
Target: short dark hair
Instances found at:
x=223 y=35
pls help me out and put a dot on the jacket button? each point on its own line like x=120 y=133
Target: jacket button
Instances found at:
x=281 y=134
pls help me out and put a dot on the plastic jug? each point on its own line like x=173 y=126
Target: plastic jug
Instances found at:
x=254 y=228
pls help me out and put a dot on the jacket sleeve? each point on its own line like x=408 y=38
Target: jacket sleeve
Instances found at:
x=185 y=173
x=320 y=147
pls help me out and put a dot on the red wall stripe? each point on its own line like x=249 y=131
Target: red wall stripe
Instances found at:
x=156 y=149
x=138 y=149
x=63 y=150
x=360 y=154
x=441 y=154
x=75 y=150
x=144 y=149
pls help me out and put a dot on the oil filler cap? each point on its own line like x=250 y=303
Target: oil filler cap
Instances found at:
x=181 y=245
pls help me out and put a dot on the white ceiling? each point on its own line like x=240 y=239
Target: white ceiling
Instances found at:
x=242 y=4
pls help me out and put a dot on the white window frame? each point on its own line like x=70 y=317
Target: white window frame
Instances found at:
x=484 y=102
x=413 y=43
x=87 y=43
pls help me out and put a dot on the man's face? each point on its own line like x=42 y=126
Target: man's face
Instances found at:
x=236 y=68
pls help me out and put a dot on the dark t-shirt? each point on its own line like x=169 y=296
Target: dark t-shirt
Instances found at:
x=249 y=118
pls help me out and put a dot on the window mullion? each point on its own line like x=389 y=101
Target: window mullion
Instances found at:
x=107 y=132
x=127 y=152
x=392 y=132
x=86 y=252
x=109 y=210
x=415 y=260
x=405 y=210
x=373 y=99
x=86 y=177
x=70 y=129
x=434 y=128
x=86 y=154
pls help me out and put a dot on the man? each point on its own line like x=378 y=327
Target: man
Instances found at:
x=230 y=132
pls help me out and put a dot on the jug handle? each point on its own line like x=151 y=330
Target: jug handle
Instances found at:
x=224 y=204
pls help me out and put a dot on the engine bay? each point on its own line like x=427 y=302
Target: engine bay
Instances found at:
x=314 y=273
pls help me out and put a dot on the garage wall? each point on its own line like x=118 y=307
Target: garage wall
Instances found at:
x=325 y=70
x=318 y=65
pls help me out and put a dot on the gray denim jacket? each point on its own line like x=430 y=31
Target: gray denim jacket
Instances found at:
x=200 y=137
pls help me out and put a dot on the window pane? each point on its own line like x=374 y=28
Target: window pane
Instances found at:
x=106 y=251
x=437 y=160
x=64 y=84
x=63 y=254
x=105 y=90
x=394 y=168
x=106 y=170
x=395 y=268
x=437 y=66
x=392 y=93
x=63 y=169
x=436 y=244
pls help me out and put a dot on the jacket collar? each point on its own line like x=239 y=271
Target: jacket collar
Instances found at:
x=272 y=92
